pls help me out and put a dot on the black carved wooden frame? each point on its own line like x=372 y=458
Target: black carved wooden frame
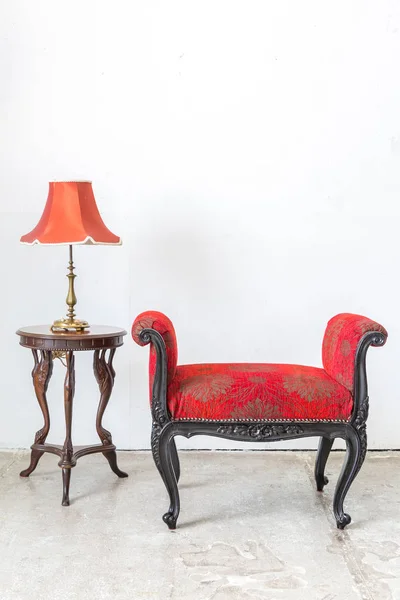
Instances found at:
x=353 y=431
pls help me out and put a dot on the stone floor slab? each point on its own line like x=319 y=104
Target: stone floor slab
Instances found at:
x=252 y=527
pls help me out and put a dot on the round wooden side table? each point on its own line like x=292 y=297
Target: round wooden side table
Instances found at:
x=46 y=346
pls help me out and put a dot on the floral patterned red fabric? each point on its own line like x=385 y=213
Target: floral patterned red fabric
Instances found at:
x=339 y=347
x=152 y=319
x=262 y=391
x=258 y=392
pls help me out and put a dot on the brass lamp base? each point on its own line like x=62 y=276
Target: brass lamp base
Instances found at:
x=70 y=323
x=75 y=325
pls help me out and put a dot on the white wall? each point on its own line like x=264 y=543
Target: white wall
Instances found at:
x=248 y=152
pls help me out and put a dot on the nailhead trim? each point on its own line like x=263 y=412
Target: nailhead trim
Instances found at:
x=260 y=420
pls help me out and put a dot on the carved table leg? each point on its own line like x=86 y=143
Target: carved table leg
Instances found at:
x=66 y=477
x=41 y=374
x=67 y=460
x=105 y=375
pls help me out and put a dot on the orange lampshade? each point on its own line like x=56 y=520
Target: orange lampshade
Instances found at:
x=70 y=217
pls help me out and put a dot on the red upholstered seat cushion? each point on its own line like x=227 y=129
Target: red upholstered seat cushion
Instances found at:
x=256 y=391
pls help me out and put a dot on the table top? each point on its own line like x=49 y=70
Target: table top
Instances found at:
x=40 y=337
x=95 y=331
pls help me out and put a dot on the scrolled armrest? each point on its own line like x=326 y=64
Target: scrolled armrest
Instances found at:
x=141 y=333
x=343 y=335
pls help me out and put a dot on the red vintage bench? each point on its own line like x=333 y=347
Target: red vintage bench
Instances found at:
x=261 y=402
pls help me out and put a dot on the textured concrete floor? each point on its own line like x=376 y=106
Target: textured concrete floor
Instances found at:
x=252 y=527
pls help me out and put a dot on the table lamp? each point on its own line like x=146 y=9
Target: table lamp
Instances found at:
x=70 y=217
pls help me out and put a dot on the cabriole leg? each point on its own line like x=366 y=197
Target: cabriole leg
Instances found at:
x=175 y=460
x=168 y=475
x=41 y=375
x=324 y=448
x=155 y=448
x=346 y=478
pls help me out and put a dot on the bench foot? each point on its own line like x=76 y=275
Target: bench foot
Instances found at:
x=343 y=521
x=170 y=520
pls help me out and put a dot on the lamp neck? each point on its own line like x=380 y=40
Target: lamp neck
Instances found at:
x=70 y=323
x=71 y=297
